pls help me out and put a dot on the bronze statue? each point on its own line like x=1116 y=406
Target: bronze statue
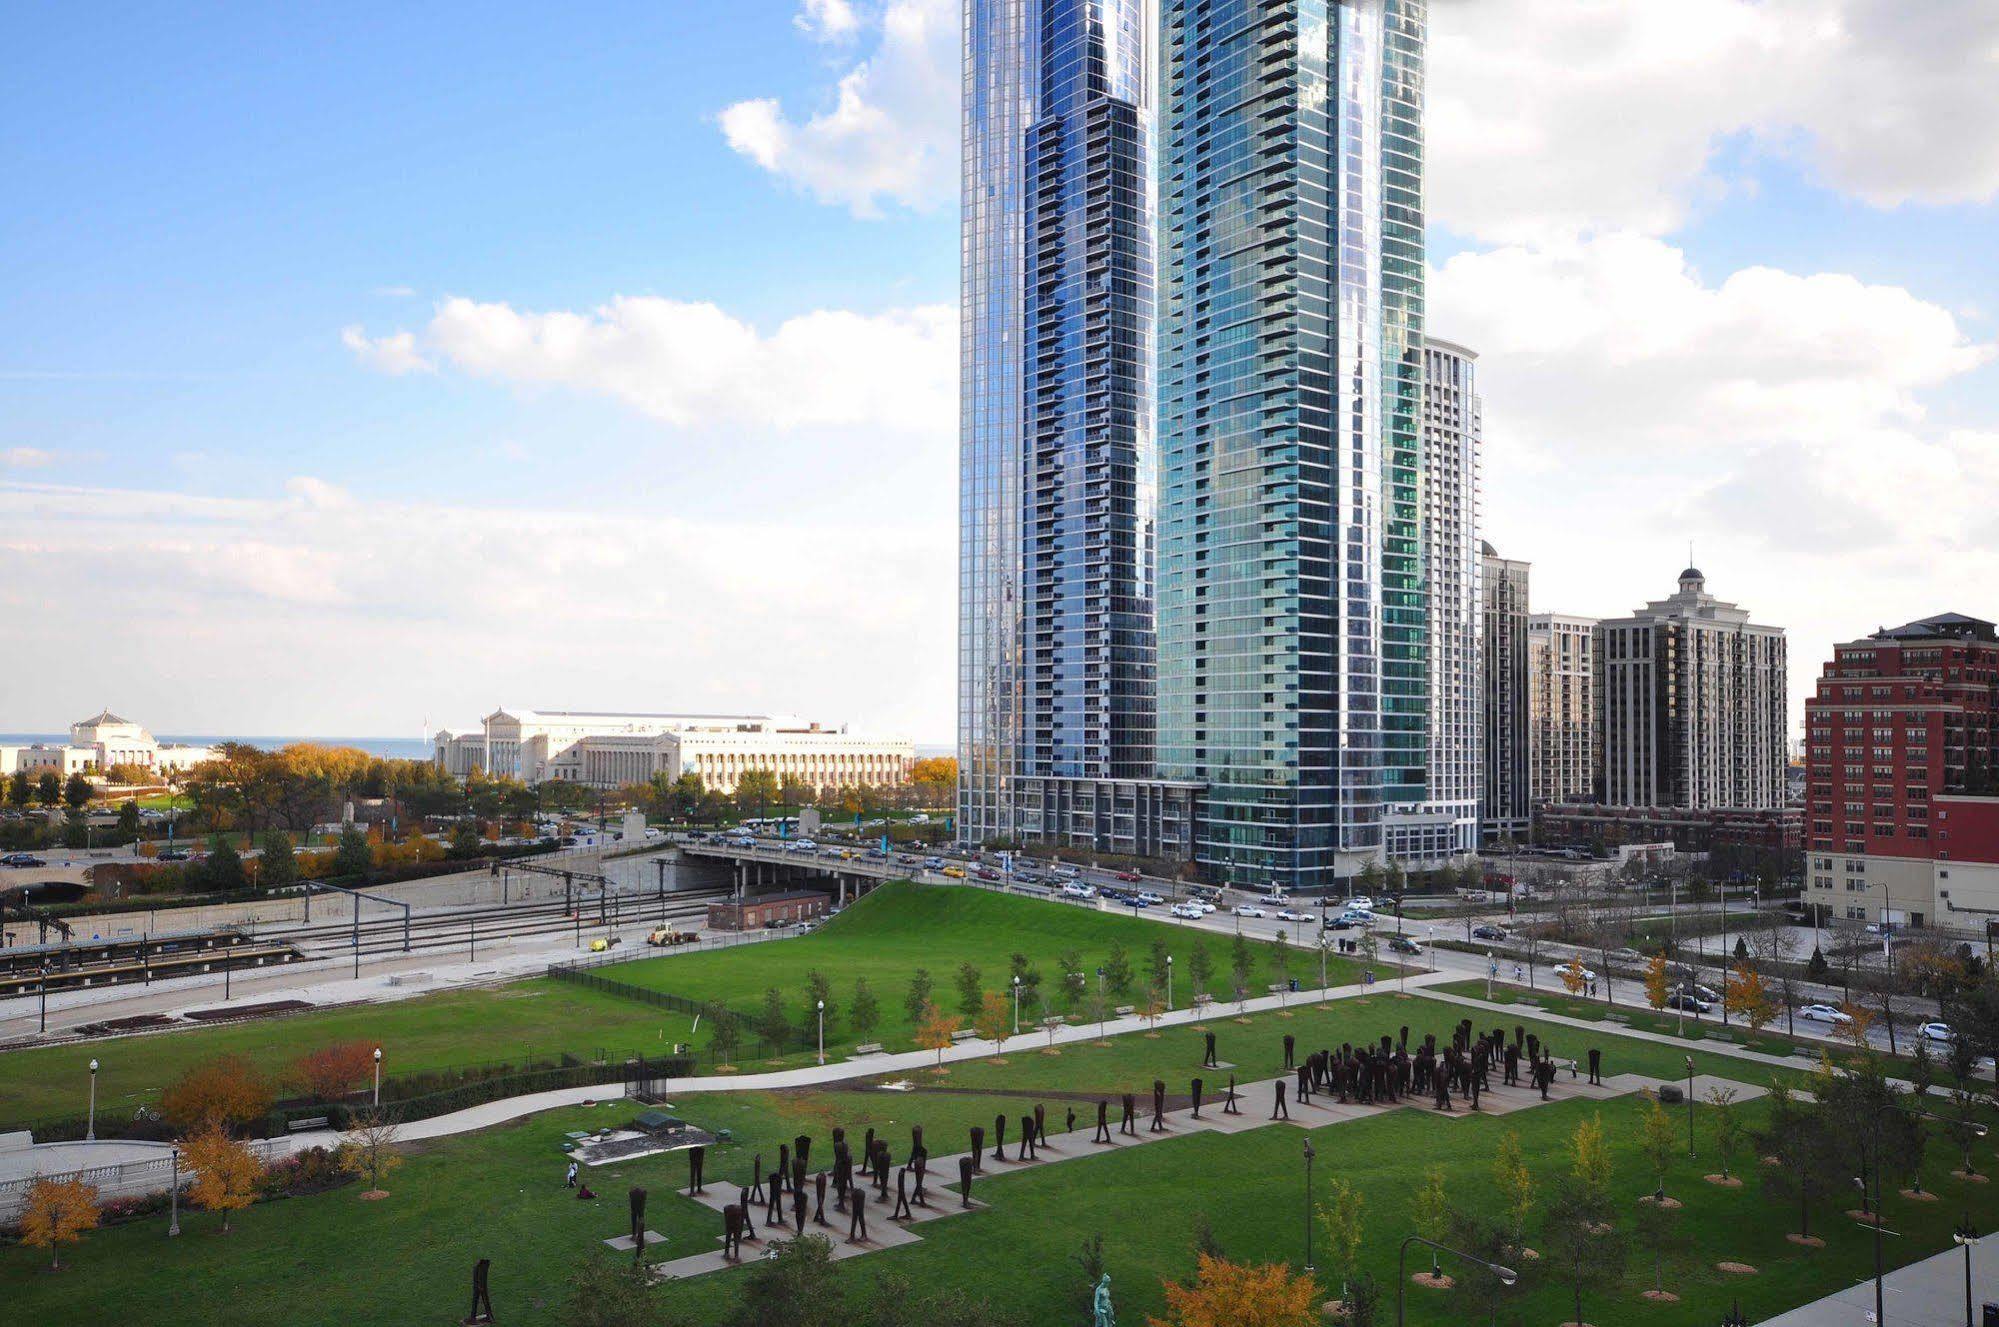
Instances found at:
x=978 y=1147
x=965 y=1169
x=819 y=1187
x=732 y=1233
x=1290 y=1049
x=696 y=1158
x=901 y=1212
x=482 y=1299
x=1208 y=1060
x=1103 y=1122
x=1159 y=1105
x=1278 y=1111
x=637 y=1198
x=857 y=1224
x=1197 y=1098
x=1129 y=1123
x=1229 y=1106
x=999 y=1137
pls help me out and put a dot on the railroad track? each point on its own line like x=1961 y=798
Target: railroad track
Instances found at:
x=384 y=934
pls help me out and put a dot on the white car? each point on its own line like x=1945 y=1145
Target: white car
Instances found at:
x=1190 y=911
x=1824 y=1013
x=1075 y=890
x=1202 y=904
x=1293 y=915
x=1149 y=898
x=1576 y=968
x=1939 y=1033
x=1249 y=910
x=1360 y=903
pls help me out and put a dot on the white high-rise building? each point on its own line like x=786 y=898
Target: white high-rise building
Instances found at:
x=1693 y=699
x=1561 y=708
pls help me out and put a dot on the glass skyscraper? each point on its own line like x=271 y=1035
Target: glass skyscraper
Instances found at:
x=1292 y=615
x=1059 y=475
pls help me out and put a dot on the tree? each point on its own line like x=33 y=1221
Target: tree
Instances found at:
x=20 y=788
x=1343 y=1214
x=277 y=865
x=1152 y=1005
x=220 y=1093
x=1658 y=982
x=1659 y=1235
x=819 y=990
x=76 y=793
x=1026 y=975
x=222 y=869
x=1230 y=1294
x=991 y=1023
x=1516 y=1189
x=773 y=1024
x=48 y=788
x=1480 y=1294
x=756 y=789
x=368 y=1149
x=612 y=1292
x=1280 y=958
x=1816 y=967
x=1794 y=1132
x=1572 y=977
x=1200 y=967
x=128 y=819
x=864 y=1014
x=1117 y=969
x=1239 y=966
x=1744 y=995
x=1582 y=1245
x=725 y=1031
x=225 y=1172
x=1090 y=1261
x=465 y=840
x=797 y=1285
x=1097 y=1009
x=1727 y=1125
x=971 y=991
x=918 y=998
x=57 y=1212
x=1431 y=1212
x=1589 y=1158
x=353 y=856
x=1075 y=978
x=1660 y=1144
x=332 y=1071
x=1158 y=964
x=934 y=1031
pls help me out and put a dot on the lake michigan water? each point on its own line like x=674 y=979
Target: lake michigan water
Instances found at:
x=388 y=748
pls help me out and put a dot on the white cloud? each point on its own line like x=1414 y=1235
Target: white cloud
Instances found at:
x=827 y=20
x=1776 y=419
x=1556 y=116
x=395 y=354
x=889 y=132
x=695 y=364
x=25 y=458
x=282 y=603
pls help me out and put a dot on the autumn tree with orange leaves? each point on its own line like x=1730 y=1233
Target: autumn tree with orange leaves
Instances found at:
x=934 y=1029
x=331 y=1072
x=1232 y=1294
x=57 y=1212
x=225 y=1173
x=222 y=1093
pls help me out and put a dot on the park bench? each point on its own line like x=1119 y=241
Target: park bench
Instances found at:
x=305 y=1125
x=868 y=1048
x=963 y=1034
x=1054 y=1020
x=1203 y=999
x=1124 y=1009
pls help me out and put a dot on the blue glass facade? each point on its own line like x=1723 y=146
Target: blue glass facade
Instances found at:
x=1057 y=454
x=1293 y=665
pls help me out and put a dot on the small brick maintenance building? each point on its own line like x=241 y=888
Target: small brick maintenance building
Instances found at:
x=760 y=910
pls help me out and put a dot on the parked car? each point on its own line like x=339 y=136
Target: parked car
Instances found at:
x=1824 y=1013
x=1249 y=910
x=21 y=859
x=1187 y=911
x=1488 y=932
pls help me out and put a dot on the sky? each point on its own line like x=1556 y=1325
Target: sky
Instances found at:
x=374 y=366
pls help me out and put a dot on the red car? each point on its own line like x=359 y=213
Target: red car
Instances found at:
x=985 y=873
x=1132 y=877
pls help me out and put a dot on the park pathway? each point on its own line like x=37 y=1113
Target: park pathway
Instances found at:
x=1928 y=1293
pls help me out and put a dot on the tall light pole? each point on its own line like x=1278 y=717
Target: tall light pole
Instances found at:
x=1966 y=1235
x=822 y=1030
x=1690 y=1106
x=378 y=1077
x=1169 y=981
x=1016 y=1006
x=1309 y=1155
x=90 y=1126
x=173 y=1197
x=1507 y=1276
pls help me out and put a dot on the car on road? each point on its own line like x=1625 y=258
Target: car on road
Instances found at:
x=1202 y=904
x=986 y=873
x=21 y=859
x=1360 y=903
x=1149 y=898
x=1077 y=889
x=1689 y=1001
x=1188 y=911
x=1626 y=955
x=953 y=872
x=1575 y=969
x=1824 y=1013
x=1488 y=932
x=1063 y=872
x=1402 y=944
x=1936 y=1032
x=933 y=863
x=1129 y=877
x=1248 y=910
x=1294 y=915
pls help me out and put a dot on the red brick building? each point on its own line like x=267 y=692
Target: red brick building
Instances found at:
x=760 y=910
x=1901 y=820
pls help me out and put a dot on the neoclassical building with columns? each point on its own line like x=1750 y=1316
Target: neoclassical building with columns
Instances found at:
x=612 y=750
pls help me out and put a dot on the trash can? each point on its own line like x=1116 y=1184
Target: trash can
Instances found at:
x=1294 y=985
x=1991 y=1317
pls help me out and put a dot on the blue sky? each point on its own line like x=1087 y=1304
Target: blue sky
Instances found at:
x=384 y=363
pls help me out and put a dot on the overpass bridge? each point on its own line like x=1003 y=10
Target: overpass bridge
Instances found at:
x=751 y=869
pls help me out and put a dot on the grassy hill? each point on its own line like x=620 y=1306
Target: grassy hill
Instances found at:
x=890 y=934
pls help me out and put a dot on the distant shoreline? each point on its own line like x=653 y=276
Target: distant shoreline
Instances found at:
x=386 y=748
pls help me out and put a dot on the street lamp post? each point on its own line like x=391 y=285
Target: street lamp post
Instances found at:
x=90 y=1125
x=1169 y=984
x=1690 y=1106
x=822 y=1030
x=1507 y=1276
x=1016 y=1006
x=1309 y=1155
x=173 y=1198
x=1966 y=1235
x=378 y=1077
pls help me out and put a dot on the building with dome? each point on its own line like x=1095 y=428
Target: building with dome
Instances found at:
x=97 y=744
x=1692 y=702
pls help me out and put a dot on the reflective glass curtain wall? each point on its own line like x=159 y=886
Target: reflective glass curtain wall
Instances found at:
x=1290 y=428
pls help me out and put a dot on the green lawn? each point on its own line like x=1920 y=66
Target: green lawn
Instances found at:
x=901 y=927
x=538 y=1017
x=332 y=1259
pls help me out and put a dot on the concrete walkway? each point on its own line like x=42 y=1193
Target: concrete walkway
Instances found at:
x=1929 y=1293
